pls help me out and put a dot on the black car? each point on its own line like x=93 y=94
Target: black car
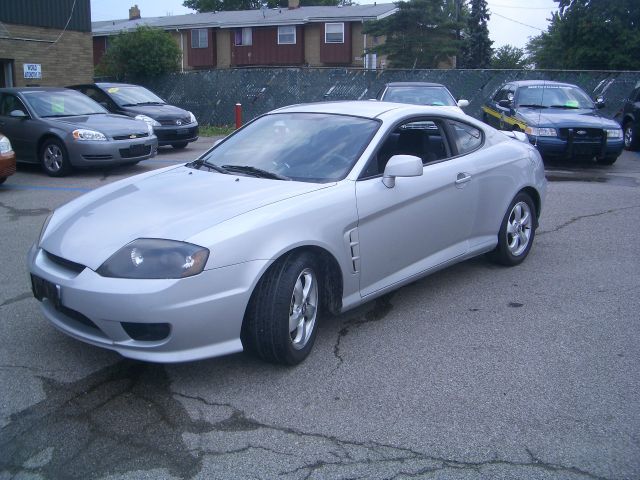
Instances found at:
x=172 y=125
x=559 y=118
x=629 y=118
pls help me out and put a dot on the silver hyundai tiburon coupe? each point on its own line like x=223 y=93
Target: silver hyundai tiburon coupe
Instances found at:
x=307 y=209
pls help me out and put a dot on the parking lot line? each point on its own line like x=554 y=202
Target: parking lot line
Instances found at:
x=43 y=187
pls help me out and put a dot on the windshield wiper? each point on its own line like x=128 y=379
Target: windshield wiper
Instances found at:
x=211 y=166
x=64 y=115
x=565 y=106
x=254 y=171
x=150 y=103
x=532 y=105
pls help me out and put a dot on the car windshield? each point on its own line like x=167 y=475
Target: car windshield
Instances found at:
x=61 y=103
x=310 y=147
x=133 y=95
x=438 y=96
x=553 y=96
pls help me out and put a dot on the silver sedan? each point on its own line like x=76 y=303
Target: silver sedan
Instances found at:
x=306 y=210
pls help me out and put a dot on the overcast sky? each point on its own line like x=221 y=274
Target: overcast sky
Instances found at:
x=512 y=21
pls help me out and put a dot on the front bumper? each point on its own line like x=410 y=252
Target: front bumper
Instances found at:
x=559 y=147
x=201 y=315
x=7 y=164
x=168 y=135
x=111 y=152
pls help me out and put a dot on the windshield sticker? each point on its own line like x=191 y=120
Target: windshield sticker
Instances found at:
x=543 y=86
x=57 y=105
x=572 y=103
x=113 y=89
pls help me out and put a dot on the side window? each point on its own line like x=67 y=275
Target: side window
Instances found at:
x=422 y=138
x=9 y=103
x=467 y=138
x=96 y=95
x=505 y=93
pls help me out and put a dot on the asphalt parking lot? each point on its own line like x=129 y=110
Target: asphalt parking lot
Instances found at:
x=475 y=372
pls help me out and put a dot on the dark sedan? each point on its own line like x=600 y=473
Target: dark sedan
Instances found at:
x=629 y=118
x=61 y=129
x=559 y=118
x=172 y=125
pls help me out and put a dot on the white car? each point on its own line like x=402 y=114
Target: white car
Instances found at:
x=307 y=209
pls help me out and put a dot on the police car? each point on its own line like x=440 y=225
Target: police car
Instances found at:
x=559 y=118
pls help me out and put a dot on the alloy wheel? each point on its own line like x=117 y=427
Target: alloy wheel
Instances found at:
x=519 y=228
x=303 y=309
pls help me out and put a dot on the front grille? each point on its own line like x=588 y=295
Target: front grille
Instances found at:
x=174 y=121
x=131 y=136
x=80 y=318
x=580 y=135
x=63 y=262
x=135 y=151
x=168 y=135
x=97 y=157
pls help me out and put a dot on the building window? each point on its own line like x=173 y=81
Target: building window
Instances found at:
x=243 y=37
x=334 y=33
x=287 y=35
x=199 y=38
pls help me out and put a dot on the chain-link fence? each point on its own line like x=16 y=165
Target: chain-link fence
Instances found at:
x=211 y=95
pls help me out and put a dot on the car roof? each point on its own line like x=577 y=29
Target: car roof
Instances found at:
x=414 y=84
x=370 y=109
x=526 y=83
x=115 y=84
x=33 y=89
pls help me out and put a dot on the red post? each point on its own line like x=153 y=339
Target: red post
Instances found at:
x=238 y=115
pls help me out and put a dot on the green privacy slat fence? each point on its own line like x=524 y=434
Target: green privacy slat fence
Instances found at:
x=211 y=95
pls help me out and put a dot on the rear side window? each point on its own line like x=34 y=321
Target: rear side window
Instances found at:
x=466 y=137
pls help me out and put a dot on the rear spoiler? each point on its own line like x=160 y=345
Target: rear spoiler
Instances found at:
x=516 y=135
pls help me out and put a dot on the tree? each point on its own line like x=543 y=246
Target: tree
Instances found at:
x=509 y=57
x=144 y=52
x=421 y=34
x=476 y=47
x=590 y=34
x=228 y=5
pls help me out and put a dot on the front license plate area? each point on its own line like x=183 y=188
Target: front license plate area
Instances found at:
x=137 y=150
x=45 y=289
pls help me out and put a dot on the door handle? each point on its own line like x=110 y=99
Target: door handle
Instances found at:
x=463 y=178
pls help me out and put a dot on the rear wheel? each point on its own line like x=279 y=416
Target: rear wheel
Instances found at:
x=54 y=158
x=280 y=324
x=631 y=140
x=180 y=145
x=517 y=231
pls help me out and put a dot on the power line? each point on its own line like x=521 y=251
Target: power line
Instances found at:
x=521 y=8
x=516 y=21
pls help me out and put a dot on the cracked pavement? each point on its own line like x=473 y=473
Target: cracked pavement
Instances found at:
x=475 y=372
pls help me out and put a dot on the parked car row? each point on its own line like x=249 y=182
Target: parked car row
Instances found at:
x=105 y=125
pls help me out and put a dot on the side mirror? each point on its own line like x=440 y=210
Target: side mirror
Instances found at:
x=600 y=102
x=401 y=166
x=17 y=114
x=505 y=103
x=463 y=103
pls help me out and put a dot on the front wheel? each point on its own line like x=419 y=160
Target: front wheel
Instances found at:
x=631 y=140
x=54 y=158
x=517 y=231
x=281 y=321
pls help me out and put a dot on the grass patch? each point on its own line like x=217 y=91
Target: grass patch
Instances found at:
x=215 y=131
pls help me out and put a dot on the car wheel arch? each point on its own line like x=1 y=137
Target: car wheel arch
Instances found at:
x=46 y=137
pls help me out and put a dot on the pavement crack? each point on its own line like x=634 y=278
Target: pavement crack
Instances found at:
x=17 y=298
x=17 y=213
x=581 y=217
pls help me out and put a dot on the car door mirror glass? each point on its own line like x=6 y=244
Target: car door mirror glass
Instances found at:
x=17 y=114
x=463 y=103
x=401 y=166
x=600 y=103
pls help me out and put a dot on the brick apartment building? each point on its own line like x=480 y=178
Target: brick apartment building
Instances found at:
x=294 y=36
x=45 y=42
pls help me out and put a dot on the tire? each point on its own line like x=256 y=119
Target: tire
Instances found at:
x=54 y=158
x=517 y=232
x=179 y=146
x=608 y=160
x=631 y=137
x=280 y=324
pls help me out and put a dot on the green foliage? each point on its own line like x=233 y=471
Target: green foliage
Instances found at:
x=509 y=57
x=590 y=35
x=421 y=34
x=228 y=5
x=476 y=48
x=144 y=52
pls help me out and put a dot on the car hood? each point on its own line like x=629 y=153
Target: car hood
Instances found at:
x=174 y=204
x=562 y=118
x=157 y=112
x=109 y=124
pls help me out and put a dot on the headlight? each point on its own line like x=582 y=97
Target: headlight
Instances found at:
x=155 y=258
x=44 y=228
x=614 y=133
x=541 y=132
x=5 y=145
x=82 y=134
x=148 y=120
x=192 y=117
